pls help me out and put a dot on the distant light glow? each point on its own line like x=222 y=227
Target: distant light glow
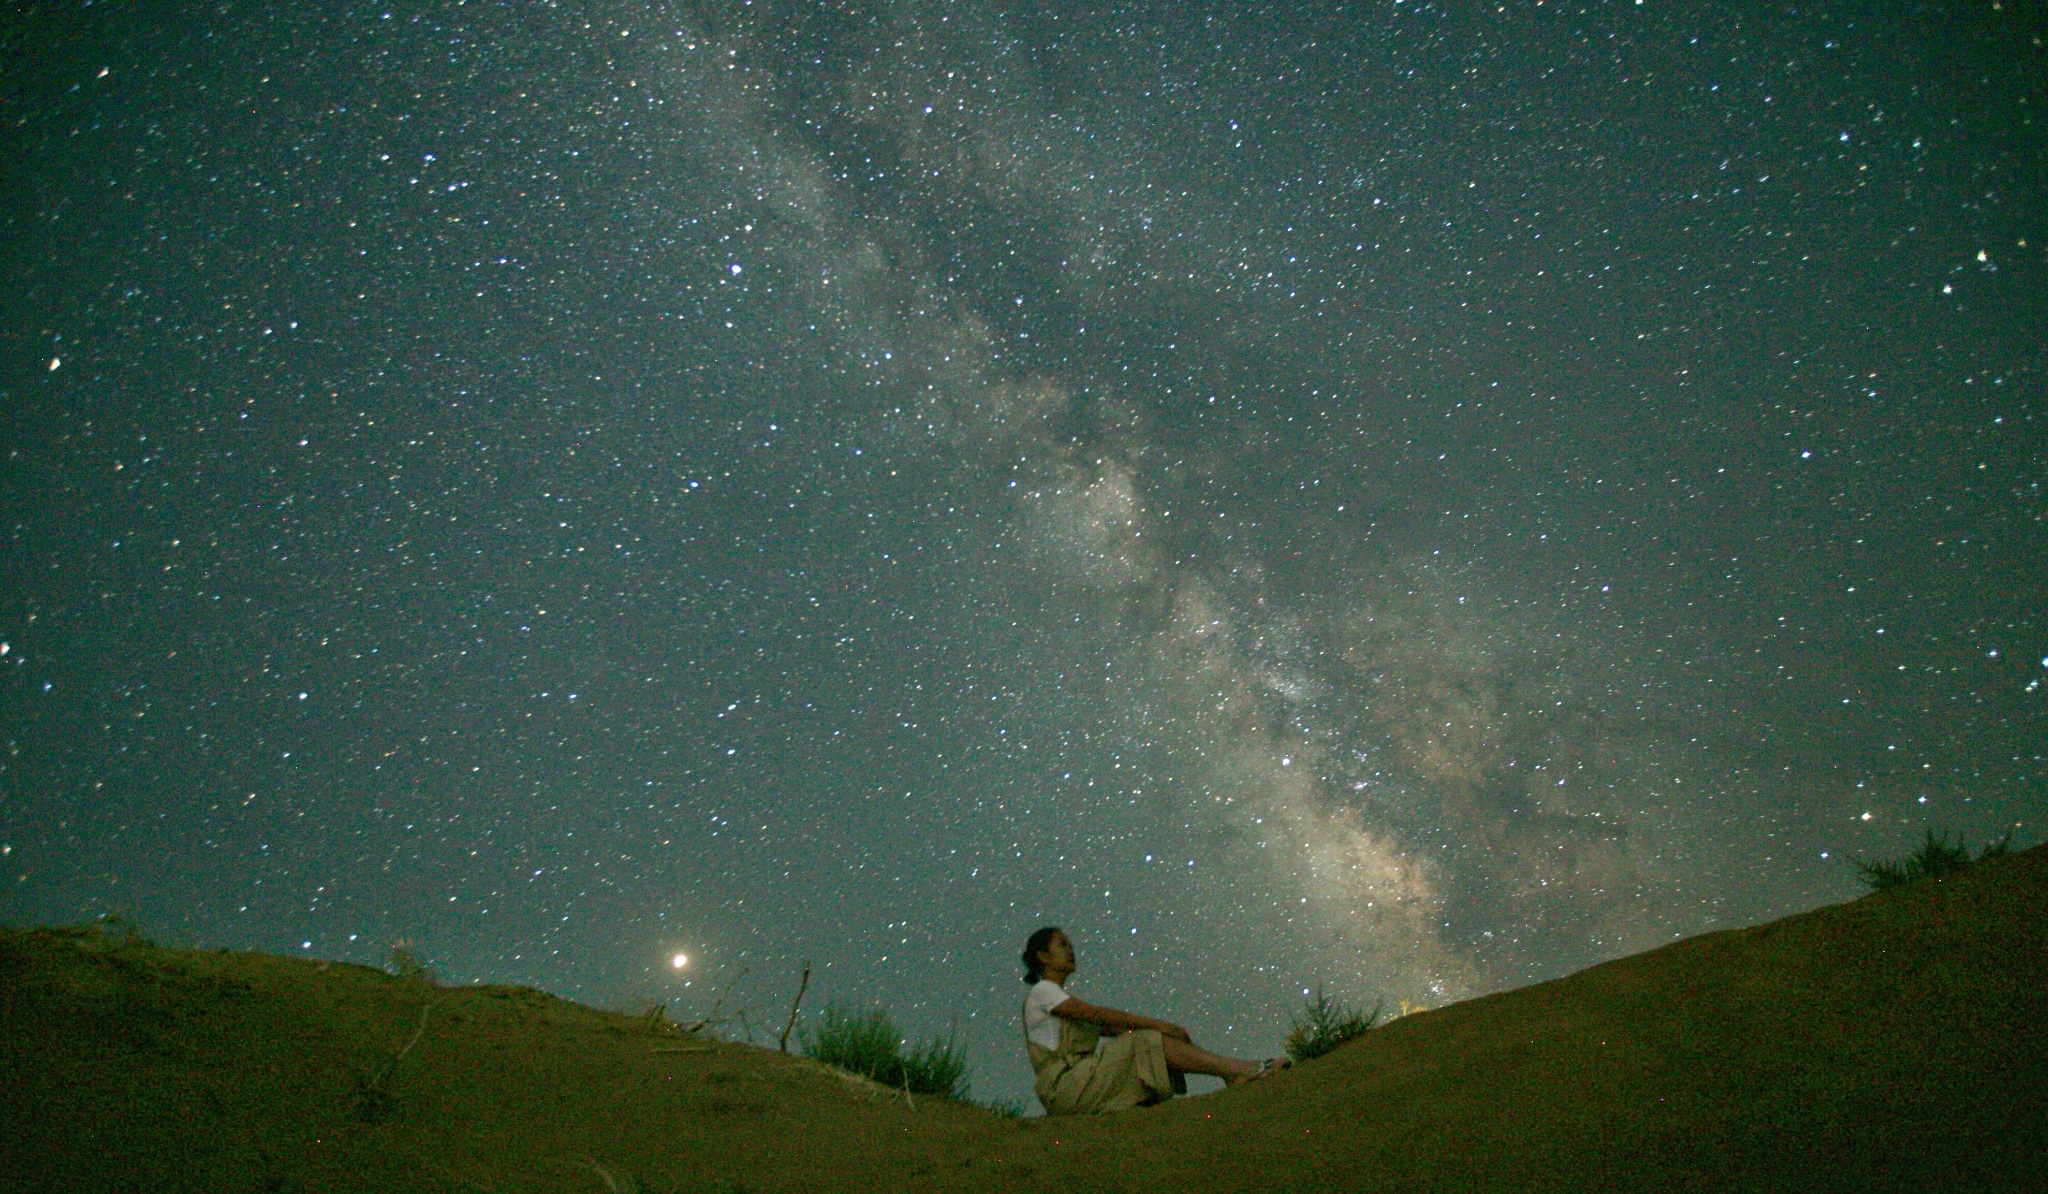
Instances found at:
x=679 y=961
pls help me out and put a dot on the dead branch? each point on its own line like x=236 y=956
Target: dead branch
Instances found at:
x=416 y=1033
x=391 y=1068
x=801 y=987
x=374 y=1101
x=712 y=1019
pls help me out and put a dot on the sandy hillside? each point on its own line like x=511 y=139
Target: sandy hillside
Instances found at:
x=1897 y=1042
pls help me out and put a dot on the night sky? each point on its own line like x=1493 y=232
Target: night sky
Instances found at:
x=1417 y=497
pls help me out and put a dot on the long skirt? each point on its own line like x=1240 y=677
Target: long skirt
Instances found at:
x=1125 y=1071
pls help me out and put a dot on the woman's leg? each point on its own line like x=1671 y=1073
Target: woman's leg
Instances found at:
x=1193 y=1059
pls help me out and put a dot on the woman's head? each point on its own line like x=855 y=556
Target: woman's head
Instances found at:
x=1036 y=944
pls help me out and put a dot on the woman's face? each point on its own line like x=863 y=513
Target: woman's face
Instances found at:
x=1058 y=955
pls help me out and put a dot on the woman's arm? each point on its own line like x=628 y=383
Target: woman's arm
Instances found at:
x=1112 y=1020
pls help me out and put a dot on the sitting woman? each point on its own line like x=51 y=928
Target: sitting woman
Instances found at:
x=1142 y=1063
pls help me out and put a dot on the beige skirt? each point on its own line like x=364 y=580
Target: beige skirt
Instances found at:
x=1125 y=1071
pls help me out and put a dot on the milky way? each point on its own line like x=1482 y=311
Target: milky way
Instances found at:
x=1412 y=498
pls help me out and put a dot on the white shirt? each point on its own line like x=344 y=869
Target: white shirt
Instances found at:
x=1041 y=1027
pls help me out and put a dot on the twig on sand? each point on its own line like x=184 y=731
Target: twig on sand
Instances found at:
x=416 y=1034
x=374 y=1101
x=625 y=1185
x=801 y=987
x=683 y=1049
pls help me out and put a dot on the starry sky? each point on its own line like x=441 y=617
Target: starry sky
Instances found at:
x=1415 y=497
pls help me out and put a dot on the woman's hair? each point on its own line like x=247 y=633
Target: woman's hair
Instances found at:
x=1037 y=942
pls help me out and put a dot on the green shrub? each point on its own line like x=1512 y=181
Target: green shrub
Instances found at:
x=1935 y=859
x=869 y=1046
x=864 y=1045
x=937 y=1067
x=1324 y=1023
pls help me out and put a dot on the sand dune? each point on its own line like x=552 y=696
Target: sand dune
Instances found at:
x=1897 y=1042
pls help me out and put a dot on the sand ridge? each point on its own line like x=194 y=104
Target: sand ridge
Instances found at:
x=1897 y=1041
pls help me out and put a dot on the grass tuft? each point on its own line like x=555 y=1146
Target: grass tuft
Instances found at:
x=404 y=963
x=1323 y=1023
x=864 y=1045
x=121 y=929
x=937 y=1067
x=868 y=1045
x=1935 y=859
